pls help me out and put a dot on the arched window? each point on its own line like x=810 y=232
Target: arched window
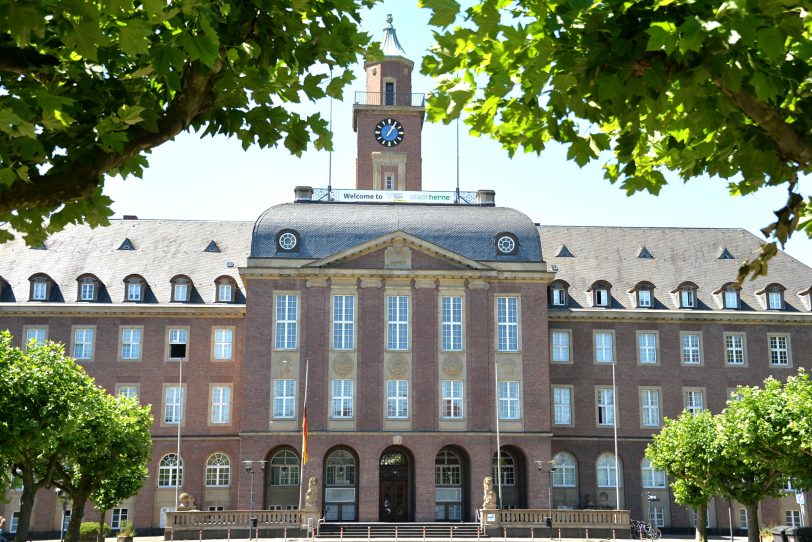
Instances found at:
x=652 y=478
x=340 y=469
x=40 y=287
x=170 y=471
x=601 y=293
x=181 y=289
x=507 y=468
x=565 y=473
x=730 y=296
x=608 y=471
x=225 y=289
x=558 y=294
x=218 y=471
x=88 y=288
x=134 y=288
x=285 y=469
x=447 y=469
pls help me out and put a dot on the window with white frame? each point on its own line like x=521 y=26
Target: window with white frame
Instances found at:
x=223 y=343
x=39 y=289
x=397 y=398
x=173 y=404
x=607 y=468
x=447 y=469
x=286 y=322
x=507 y=324
x=730 y=297
x=343 y=322
x=652 y=478
x=221 y=404
x=397 y=322
x=734 y=349
x=87 y=289
x=451 y=323
x=119 y=518
x=180 y=290
x=83 y=343
x=691 y=349
x=37 y=334
x=647 y=347
x=131 y=343
x=694 y=401
x=779 y=350
x=15 y=521
x=285 y=469
x=558 y=295
x=606 y=406
x=775 y=299
x=218 y=470
x=604 y=346
x=565 y=471
x=509 y=400
x=506 y=467
x=644 y=298
x=743 y=523
x=452 y=399
x=656 y=513
x=134 y=290
x=687 y=297
x=600 y=296
x=170 y=471
x=650 y=407
x=342 y=399
x=128 y=391
x=284 y=398
x=562 y=405
x=560 y=346
x=225 y=292
x=179 y=335
x=792 y=518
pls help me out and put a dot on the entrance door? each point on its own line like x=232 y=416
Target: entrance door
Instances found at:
x=395 y=487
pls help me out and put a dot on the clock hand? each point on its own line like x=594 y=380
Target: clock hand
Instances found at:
x=388 y=130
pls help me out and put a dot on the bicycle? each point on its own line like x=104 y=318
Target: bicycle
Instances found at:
x=638 y=529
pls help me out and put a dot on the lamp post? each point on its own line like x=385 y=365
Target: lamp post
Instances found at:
x=651 y=498
x=60 y=495
x=614 y=435
x=249 y=468
x=540 y=466
x=178 y=351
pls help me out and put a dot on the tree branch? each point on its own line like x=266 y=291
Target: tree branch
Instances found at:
x=23 y=61
x=80 y=179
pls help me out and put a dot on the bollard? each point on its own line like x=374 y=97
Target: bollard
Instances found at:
x=228 y=534
x=424 y=533
x=369 y=533
x=504 y=533
x=451 y=534
x=340 y=534
x=613 y=535
x=532 y=534
x=587 y=534
x=285 y=532
x=396 y=533
x=256 y=534
x=477 y=533
x=200 y=535
x=559 y=535
x=172 y=535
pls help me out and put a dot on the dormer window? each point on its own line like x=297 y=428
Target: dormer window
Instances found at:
x=773 y=297
x=730 y=297
x=643 y=295
x=40 y=288
x=506 y=244
x=134 y=289
x=225 y=290
x=558 y=294
x=686 y=293
x=88 y=288
x=287 y=241
x=181 y=289
x=601 y=294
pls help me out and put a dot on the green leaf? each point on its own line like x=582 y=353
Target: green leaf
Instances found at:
x=201 y=48
x=444 y=12
x=662 y=35
x=771 y=42
x=133 y=37
x=764 y=86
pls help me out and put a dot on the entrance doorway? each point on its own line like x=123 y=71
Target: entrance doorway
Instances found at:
x=395 y=486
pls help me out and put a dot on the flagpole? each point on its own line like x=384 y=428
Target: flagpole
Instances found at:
x=303 y=458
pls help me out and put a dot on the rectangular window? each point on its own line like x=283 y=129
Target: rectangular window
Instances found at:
x=343 y=322
x=181 y=292
x=286 y=322
x=451 y=323
x=397 y=398
x=119 y=518
x=131 y=343
x=37 y=334
x=687 y=298
x=775 y=300
x=40 y=291
x=559 y=296
x=221 y=404
x=656 y=515
x=87 y=291
x=223 y=343
x=509 y=400
x=133 y=291
x=452 y=399
x=562 y=405
x=652 y=478
x=647 y=347
x=342 y=399
x=179 y=335
x=601 y=297
x=397 y=329
x=606 y=406
x=694 y=401
x=284 y=398
x=734 y=349
x=127 y=390
x=644 y=298
x=779 y=350
x=507 y=324
x=650 y=408
x=604 y=347
x=173 y=404
x=792 y=518
x=560 y=346
x=15 y=521
x=743 y=518
x=224 y=292
x=83 y=343
x=731 y=299
x=691 y=349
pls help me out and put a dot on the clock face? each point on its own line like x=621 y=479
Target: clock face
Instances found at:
x=389 y=132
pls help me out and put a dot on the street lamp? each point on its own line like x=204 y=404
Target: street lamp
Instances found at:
x=249 y=468
x=651 y=498
x=540 y=466
x=60 y=495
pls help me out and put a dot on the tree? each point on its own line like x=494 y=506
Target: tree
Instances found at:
x=687 y=450
x=44 y=400
x=90 y=86
x=107 y=457
x=691 y=87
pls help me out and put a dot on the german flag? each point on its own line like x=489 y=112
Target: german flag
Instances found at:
x=304 y=436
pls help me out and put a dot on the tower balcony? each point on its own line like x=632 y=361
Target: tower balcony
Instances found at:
x=402 y=99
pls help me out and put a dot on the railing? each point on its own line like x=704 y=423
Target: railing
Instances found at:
x=390 y=98
x=232 y=519
x=562 y=519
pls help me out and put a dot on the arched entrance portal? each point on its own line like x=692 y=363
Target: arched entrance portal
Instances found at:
x=340 y=486
x=282 y=480
x=396 y=492
x=514 y=475
x=450 y=480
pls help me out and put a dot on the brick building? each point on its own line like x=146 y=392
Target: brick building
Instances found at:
x=427 y=336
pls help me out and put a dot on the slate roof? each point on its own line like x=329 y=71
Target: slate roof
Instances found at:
x=679 y=255
x=163 y=249
x=329 y=228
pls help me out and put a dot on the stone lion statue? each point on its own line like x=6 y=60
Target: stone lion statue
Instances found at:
x=489 y=498
x=187 y=502
x=312 y=490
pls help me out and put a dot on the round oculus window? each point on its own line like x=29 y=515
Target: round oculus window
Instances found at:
x=506 y=244
x=288 y=241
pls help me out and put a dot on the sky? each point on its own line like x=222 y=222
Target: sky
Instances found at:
x=214 y=179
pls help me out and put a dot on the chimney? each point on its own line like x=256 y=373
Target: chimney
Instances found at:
x=303 y=193
x=486 y=198
x=130 y=217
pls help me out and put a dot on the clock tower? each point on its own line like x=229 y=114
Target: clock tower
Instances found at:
x=388 y=119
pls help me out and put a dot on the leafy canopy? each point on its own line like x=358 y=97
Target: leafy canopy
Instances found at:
x=88 y=87
x=703 y=87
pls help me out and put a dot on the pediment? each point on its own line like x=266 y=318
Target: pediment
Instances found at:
x=398 y=250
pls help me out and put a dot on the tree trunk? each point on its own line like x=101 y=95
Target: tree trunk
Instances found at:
x=26 y=507
x=753 y=527
x=100 y=536
x=701 y=523
x=78 y=501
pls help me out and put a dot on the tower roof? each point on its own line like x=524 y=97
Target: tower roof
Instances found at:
x=389 y=42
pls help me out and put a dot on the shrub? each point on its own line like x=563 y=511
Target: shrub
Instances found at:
x=88 y=532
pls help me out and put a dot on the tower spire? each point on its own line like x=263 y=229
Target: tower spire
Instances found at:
x=389 y=42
